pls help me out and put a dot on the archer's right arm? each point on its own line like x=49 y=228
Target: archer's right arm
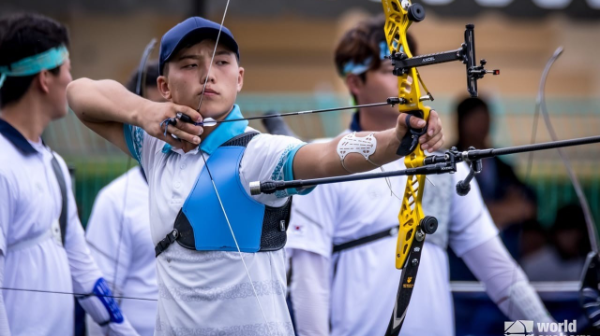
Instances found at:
x=105 y=106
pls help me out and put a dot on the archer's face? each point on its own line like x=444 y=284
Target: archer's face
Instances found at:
x=57 y=90
x=379 y=85
x=188 y=70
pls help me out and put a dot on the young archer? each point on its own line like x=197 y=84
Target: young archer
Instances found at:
x=203 y=219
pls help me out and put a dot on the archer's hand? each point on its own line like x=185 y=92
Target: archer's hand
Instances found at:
x=432 y=140
x=152 y=115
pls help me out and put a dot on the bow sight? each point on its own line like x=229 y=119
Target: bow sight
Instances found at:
x=466 y=54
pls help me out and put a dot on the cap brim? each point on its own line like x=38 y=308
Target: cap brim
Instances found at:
x=197 y=35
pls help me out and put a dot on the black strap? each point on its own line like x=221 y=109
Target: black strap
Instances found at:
x=63 y=193
x=166 y=242
x=391 y=232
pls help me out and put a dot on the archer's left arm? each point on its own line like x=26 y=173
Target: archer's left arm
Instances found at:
x=86 y=276
x=474 y=238
x=324 y=159
x=505 y=282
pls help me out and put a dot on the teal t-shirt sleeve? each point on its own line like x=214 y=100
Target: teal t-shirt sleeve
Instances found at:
x=285 y=171
x=134 y=138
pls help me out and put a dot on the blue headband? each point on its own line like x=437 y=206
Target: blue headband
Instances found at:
x=360 y=68
x=32 y=65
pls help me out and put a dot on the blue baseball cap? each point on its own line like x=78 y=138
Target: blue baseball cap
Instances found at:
x=193 y=30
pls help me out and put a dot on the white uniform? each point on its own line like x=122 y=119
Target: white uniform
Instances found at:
x=208 y=293
x=364 y=280
x=119 y=230
x=32 y=259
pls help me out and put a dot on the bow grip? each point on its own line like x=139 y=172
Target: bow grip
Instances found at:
x=410 y=141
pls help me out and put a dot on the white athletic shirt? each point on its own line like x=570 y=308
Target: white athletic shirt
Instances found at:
x=119 y=229
x=364 y=286
x=209 y=292
x=30 y=201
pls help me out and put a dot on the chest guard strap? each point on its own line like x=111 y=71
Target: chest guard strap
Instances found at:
x=201 y=224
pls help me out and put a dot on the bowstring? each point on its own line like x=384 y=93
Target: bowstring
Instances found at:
x=139 y=90
x=239 y=251
x=541 y=108
x=540 y=97
x=589 y=219
x=76 y=294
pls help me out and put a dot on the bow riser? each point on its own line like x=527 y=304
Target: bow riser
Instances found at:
x=411 y=235
x=409 y=91
x=396 y=25
x=409 y=218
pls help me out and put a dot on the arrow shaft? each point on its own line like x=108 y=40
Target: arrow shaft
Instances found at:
x=300 y=113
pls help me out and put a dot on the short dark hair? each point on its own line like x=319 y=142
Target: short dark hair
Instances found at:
x=151 y=77
x=362 y=42
x=25 y=35
x=464 y=109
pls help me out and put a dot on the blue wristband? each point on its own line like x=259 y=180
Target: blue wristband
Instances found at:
x=104 y=294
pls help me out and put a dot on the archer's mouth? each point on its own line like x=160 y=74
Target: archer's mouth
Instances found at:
x=208 y=92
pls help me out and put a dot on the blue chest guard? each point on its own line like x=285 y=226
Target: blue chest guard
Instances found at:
x=201 y=224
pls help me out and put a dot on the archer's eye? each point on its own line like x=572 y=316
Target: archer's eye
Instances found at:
x=221 y=62
x=190 y=66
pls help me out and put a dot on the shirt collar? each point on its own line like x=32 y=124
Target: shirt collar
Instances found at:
x=222 y=133
x=355 y=123
x=17 y=139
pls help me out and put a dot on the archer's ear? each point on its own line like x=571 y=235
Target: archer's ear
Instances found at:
x=43 y=81
x=240 y=81
x=162 y=84
x=354 y=83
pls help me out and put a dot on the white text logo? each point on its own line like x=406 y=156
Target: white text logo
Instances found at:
x=525 y=328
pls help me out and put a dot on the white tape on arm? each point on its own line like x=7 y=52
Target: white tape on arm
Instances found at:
x=351 y=143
